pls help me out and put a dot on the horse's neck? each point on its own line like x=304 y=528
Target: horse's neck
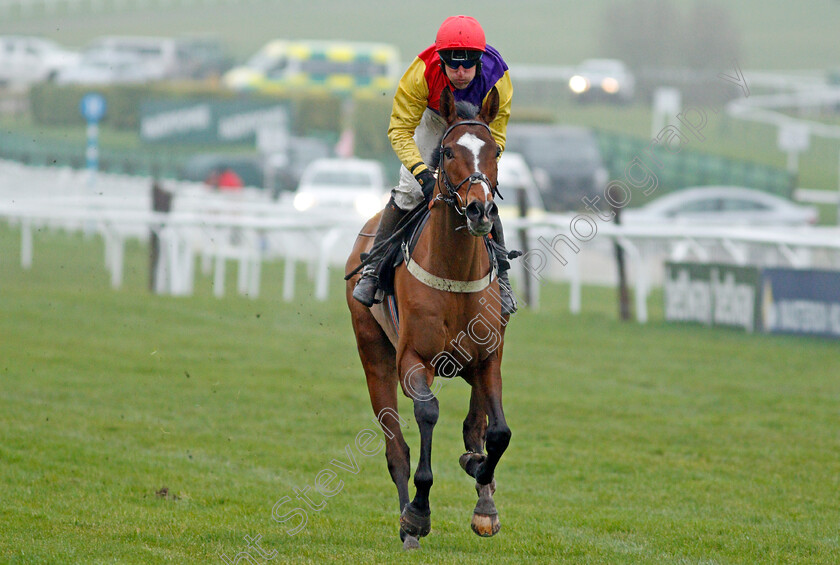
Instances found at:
x=449 y=252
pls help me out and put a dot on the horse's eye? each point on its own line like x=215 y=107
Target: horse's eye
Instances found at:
x=498 y=152
x=447 y=152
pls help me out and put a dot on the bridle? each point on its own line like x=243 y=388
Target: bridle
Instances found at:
x=452 y=197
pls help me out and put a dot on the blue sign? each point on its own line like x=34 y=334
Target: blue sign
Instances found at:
x=93 y=107
x=801 y=302
x=93 y=110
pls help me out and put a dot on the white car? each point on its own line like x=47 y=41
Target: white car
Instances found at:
x=166 y=58
x=158 y=54
x=332 y=185
x=607 y=79
x=106 y=67
x=722 y=205
x=25 y=60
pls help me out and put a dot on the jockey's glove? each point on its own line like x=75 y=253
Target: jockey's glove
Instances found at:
x=427 y=182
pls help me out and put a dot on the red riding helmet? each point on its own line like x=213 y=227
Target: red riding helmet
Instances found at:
x=460 y=32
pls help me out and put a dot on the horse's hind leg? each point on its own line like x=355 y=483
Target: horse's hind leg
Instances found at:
x=475 y=427
x=485 y=520
x=379 y=361
x=475 y=424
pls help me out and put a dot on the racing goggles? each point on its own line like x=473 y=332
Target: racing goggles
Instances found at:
x=454 y=58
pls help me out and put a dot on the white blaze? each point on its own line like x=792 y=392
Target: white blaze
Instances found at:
x=474 y=145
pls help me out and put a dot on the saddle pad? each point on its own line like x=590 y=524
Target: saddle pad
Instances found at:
x=393 y=256
x=386 y=315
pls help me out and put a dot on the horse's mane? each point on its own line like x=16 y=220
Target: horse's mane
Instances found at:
x=466 y=111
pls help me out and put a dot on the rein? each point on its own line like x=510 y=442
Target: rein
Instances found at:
x=452 y=198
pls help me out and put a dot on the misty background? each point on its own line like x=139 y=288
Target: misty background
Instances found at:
x=679 y=44
x=761 y=34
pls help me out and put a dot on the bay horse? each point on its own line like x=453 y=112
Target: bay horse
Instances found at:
x=450 y=323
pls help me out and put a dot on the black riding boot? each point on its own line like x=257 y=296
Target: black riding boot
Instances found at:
x=365 y=291
x=508 y=299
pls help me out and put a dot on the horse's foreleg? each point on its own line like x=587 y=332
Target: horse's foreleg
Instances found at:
x=475 y=428
x=416 y=379
x=485 y=517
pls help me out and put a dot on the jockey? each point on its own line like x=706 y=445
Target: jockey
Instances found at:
x=459 y=59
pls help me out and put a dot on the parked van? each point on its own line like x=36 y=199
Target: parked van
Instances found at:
x=332 y=66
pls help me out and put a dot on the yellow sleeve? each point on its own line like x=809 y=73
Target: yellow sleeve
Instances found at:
x=410 y=102
x=499 y=126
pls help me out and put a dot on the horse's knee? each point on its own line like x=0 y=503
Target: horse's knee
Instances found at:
x=498 y=438
x=423 y=479
x=426 y=412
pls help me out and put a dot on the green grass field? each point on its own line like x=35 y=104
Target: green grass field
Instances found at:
x=631 y=444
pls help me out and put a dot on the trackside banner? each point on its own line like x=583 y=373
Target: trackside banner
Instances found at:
x=235 y=121
x=801 y=302
x=712 y=294
x=792 y=301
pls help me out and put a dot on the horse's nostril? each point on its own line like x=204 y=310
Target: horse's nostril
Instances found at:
x=474 y=211
x=492 y=211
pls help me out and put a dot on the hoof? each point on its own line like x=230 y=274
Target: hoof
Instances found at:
x=410 y=543
x=486 y=525
x=415 y=524
x=485 y=520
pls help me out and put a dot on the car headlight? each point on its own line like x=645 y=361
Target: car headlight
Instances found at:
x=303 y=201
x=578 y=84
x=367 y=205
x=610 y=85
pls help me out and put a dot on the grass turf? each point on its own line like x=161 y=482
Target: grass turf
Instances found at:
x=631 y=444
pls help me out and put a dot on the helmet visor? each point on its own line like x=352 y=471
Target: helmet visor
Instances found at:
x=454 y=58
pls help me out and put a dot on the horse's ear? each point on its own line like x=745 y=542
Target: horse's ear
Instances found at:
x=490 y=108
x=447 y=106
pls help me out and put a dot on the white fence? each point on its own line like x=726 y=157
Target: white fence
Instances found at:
x=247 y=227
x=210 y=229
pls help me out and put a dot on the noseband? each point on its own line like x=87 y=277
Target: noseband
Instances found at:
x=452 y=198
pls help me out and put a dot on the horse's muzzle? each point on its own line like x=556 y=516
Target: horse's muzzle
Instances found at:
x=480 y=216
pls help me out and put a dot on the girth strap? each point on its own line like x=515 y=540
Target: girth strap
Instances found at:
x=447 y=285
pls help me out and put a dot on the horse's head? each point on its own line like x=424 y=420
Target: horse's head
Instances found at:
x=468 y=154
